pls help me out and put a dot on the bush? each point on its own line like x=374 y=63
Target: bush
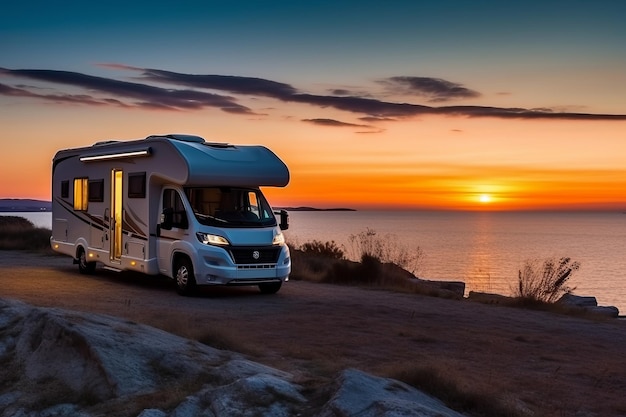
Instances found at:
x=386 y=249
x=545 y=281
x=375 y=262
x=18 y=233
x=326 y=249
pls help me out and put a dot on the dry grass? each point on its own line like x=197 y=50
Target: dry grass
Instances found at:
x=545 y=280
x=443 y=381
x=219 y=335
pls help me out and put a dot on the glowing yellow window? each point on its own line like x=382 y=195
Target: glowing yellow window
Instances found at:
x=81 y=193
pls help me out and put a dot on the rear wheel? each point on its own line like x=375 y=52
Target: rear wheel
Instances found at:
x=85 y=267
x=270 y=288
x=185 y=279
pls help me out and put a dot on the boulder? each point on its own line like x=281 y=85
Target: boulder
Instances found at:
x=363 y=395
x=577 y=300
x=589 y=304
x=608 y=311
x=455 y=289
x=488 y=298
x=62 y=363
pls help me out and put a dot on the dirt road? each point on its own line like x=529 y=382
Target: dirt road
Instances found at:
x=548 y=363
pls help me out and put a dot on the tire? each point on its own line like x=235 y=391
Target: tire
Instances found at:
x=270 y=288
x=185 y=278
x=85 y=267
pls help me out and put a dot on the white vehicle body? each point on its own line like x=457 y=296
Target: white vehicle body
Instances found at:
x=173 y=205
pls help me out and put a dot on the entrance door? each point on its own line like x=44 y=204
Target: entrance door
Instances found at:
x=115 y=224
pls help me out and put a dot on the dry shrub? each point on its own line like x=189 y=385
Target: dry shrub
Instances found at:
x=323 y=249
x=386 y=249
x=381 y=261
x=441 y=381
x=320 y=262
x=545 y=281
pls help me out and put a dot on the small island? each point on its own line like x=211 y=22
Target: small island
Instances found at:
x=24 y=205
x=313 y=209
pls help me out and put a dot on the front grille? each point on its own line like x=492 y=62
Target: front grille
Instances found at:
x=266 y=255
x=260 y=266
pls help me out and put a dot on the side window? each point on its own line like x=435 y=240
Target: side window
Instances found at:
x=96 y=191
x=81 y=194
x=65 y=189
x=172 y=201
x=137 y=185
x=253 y=204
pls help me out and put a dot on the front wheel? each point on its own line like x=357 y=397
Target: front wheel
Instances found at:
x=185 y=279
x=85 y=267
x=270 y=288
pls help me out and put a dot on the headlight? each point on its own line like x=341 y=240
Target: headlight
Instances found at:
x=209 y=239
x=279 y=239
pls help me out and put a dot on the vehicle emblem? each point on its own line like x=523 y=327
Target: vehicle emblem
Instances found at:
x=256 y=254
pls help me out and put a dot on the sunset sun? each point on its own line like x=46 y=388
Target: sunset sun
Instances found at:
x=484 y=198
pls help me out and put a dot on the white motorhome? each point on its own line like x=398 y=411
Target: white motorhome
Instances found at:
x=174 y=205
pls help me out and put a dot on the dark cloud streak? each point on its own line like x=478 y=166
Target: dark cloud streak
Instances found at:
x=148 y=96
x=56 y=98
x=337 y=123
x=230 y=83
x=332 y=122
x=371 y=109
x=434 y=89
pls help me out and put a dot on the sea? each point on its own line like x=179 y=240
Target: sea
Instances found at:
x=484 y=249
x=487 y=249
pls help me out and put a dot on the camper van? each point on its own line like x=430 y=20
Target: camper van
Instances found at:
x=173 y=205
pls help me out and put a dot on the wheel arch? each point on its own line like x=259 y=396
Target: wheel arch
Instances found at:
x=177 y=255
x=80 y=245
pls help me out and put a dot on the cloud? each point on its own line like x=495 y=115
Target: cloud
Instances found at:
x=332 y=122
x=337 y=123
x=148 y=96
x=230 y=83
x=434 y=89
x=191 y=98
x=373 y=119
x=57 y=98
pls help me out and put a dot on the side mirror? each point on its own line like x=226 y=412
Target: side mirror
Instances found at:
x=167 y=218
x=284 y=220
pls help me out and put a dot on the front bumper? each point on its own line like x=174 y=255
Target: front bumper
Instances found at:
x=229 y=266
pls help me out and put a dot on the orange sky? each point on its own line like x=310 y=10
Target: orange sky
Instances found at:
x=434 y=163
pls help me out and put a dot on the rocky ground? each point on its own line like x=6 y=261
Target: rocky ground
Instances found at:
x=537 y=363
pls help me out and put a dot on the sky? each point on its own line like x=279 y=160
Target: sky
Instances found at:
x=447 y=105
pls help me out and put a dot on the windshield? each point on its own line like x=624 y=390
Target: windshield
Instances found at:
x=230 y=206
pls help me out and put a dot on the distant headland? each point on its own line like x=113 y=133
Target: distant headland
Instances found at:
x=24 y=205
x=313 y=209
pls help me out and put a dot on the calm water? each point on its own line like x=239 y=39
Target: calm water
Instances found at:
x=39 y=219
x=486 y=249
x=483 y=249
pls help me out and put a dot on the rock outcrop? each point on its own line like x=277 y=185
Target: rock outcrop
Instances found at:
x=63 y=363
x=588 y=303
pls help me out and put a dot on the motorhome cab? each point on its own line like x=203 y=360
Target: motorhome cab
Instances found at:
x=174 y=205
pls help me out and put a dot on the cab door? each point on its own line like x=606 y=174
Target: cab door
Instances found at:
x=173 y=226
